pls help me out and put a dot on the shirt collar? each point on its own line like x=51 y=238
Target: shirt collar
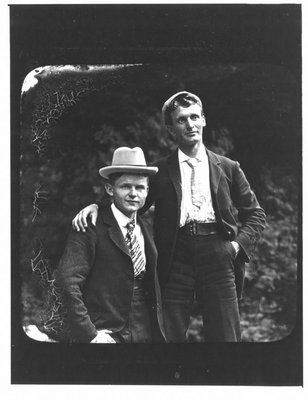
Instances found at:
x=121 y=218
x=201 y=156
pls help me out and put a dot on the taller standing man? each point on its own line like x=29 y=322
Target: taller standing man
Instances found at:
x=207 y=221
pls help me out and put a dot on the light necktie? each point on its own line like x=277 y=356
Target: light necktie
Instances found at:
x=196 y=196
x=134 y=249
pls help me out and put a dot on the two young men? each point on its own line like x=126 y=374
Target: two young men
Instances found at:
x=202 y=242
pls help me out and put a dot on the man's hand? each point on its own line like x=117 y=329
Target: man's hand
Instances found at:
x=80 y=221
x=103 y=337
x=236 y=247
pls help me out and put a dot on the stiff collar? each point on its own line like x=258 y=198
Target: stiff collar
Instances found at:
x=121 y=218
x=201 y=156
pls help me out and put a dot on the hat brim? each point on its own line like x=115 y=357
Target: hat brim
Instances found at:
x=105 y=172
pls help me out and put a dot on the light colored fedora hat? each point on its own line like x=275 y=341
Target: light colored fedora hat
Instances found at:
x=167 y=102
x=128 y=160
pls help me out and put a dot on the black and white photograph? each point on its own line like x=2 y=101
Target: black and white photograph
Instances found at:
x=156 y=194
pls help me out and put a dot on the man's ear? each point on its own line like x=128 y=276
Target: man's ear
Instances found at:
x=204 y=120
x=109 y=189
x=170 y=130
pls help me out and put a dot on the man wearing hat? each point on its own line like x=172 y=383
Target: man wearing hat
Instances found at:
x=206 y=224
x=108 y=275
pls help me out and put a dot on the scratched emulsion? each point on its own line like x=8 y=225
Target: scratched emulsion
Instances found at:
x=37 y=197
x=50 y=94
x=59 y=88
x=50 y=109
x=55 y=97
x=54 y=319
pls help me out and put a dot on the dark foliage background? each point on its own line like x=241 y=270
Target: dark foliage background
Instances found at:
x=73 y=119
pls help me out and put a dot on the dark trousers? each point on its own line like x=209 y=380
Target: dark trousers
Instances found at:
x=203 y=267
x=138 y=328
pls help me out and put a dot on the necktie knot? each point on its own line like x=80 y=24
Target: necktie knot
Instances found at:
x=131 y=225
x=192 y=162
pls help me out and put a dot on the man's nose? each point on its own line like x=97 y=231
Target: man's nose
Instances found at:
x=133 y=192
x=189 y=123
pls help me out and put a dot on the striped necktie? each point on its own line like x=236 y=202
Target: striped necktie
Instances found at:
x=196 y=196
x=134 y=249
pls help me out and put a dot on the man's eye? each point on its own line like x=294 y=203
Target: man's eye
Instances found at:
x=194 y=117
x=181 y=121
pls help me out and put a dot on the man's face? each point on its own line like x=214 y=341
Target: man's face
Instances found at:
x=187 y=127
x=129 y=193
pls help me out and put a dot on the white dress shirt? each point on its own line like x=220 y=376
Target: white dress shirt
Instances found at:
x=189 y=212
x=122 y=221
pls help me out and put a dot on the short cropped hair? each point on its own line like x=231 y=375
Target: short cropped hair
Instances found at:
x=183 y=100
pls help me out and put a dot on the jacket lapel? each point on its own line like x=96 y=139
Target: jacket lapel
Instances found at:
x=175 y=175
x=215 y=171
x=114 y=230
x=150 y=249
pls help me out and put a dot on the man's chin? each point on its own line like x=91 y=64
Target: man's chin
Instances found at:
x=133 y=208
x=128 y=212
x=192 y=141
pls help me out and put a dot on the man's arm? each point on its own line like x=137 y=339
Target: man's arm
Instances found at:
x=250 y=214
x=70 y=277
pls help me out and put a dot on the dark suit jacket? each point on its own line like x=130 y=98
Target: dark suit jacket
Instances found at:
x=97 y=278
x=233 y=201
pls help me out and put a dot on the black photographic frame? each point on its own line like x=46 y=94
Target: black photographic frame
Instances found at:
x=80 y=34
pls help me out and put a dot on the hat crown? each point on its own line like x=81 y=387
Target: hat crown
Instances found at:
x=128 y=156
x=129 y=161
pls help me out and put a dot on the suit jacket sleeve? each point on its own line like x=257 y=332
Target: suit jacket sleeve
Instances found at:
x=250 y=214
x=70 y=277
